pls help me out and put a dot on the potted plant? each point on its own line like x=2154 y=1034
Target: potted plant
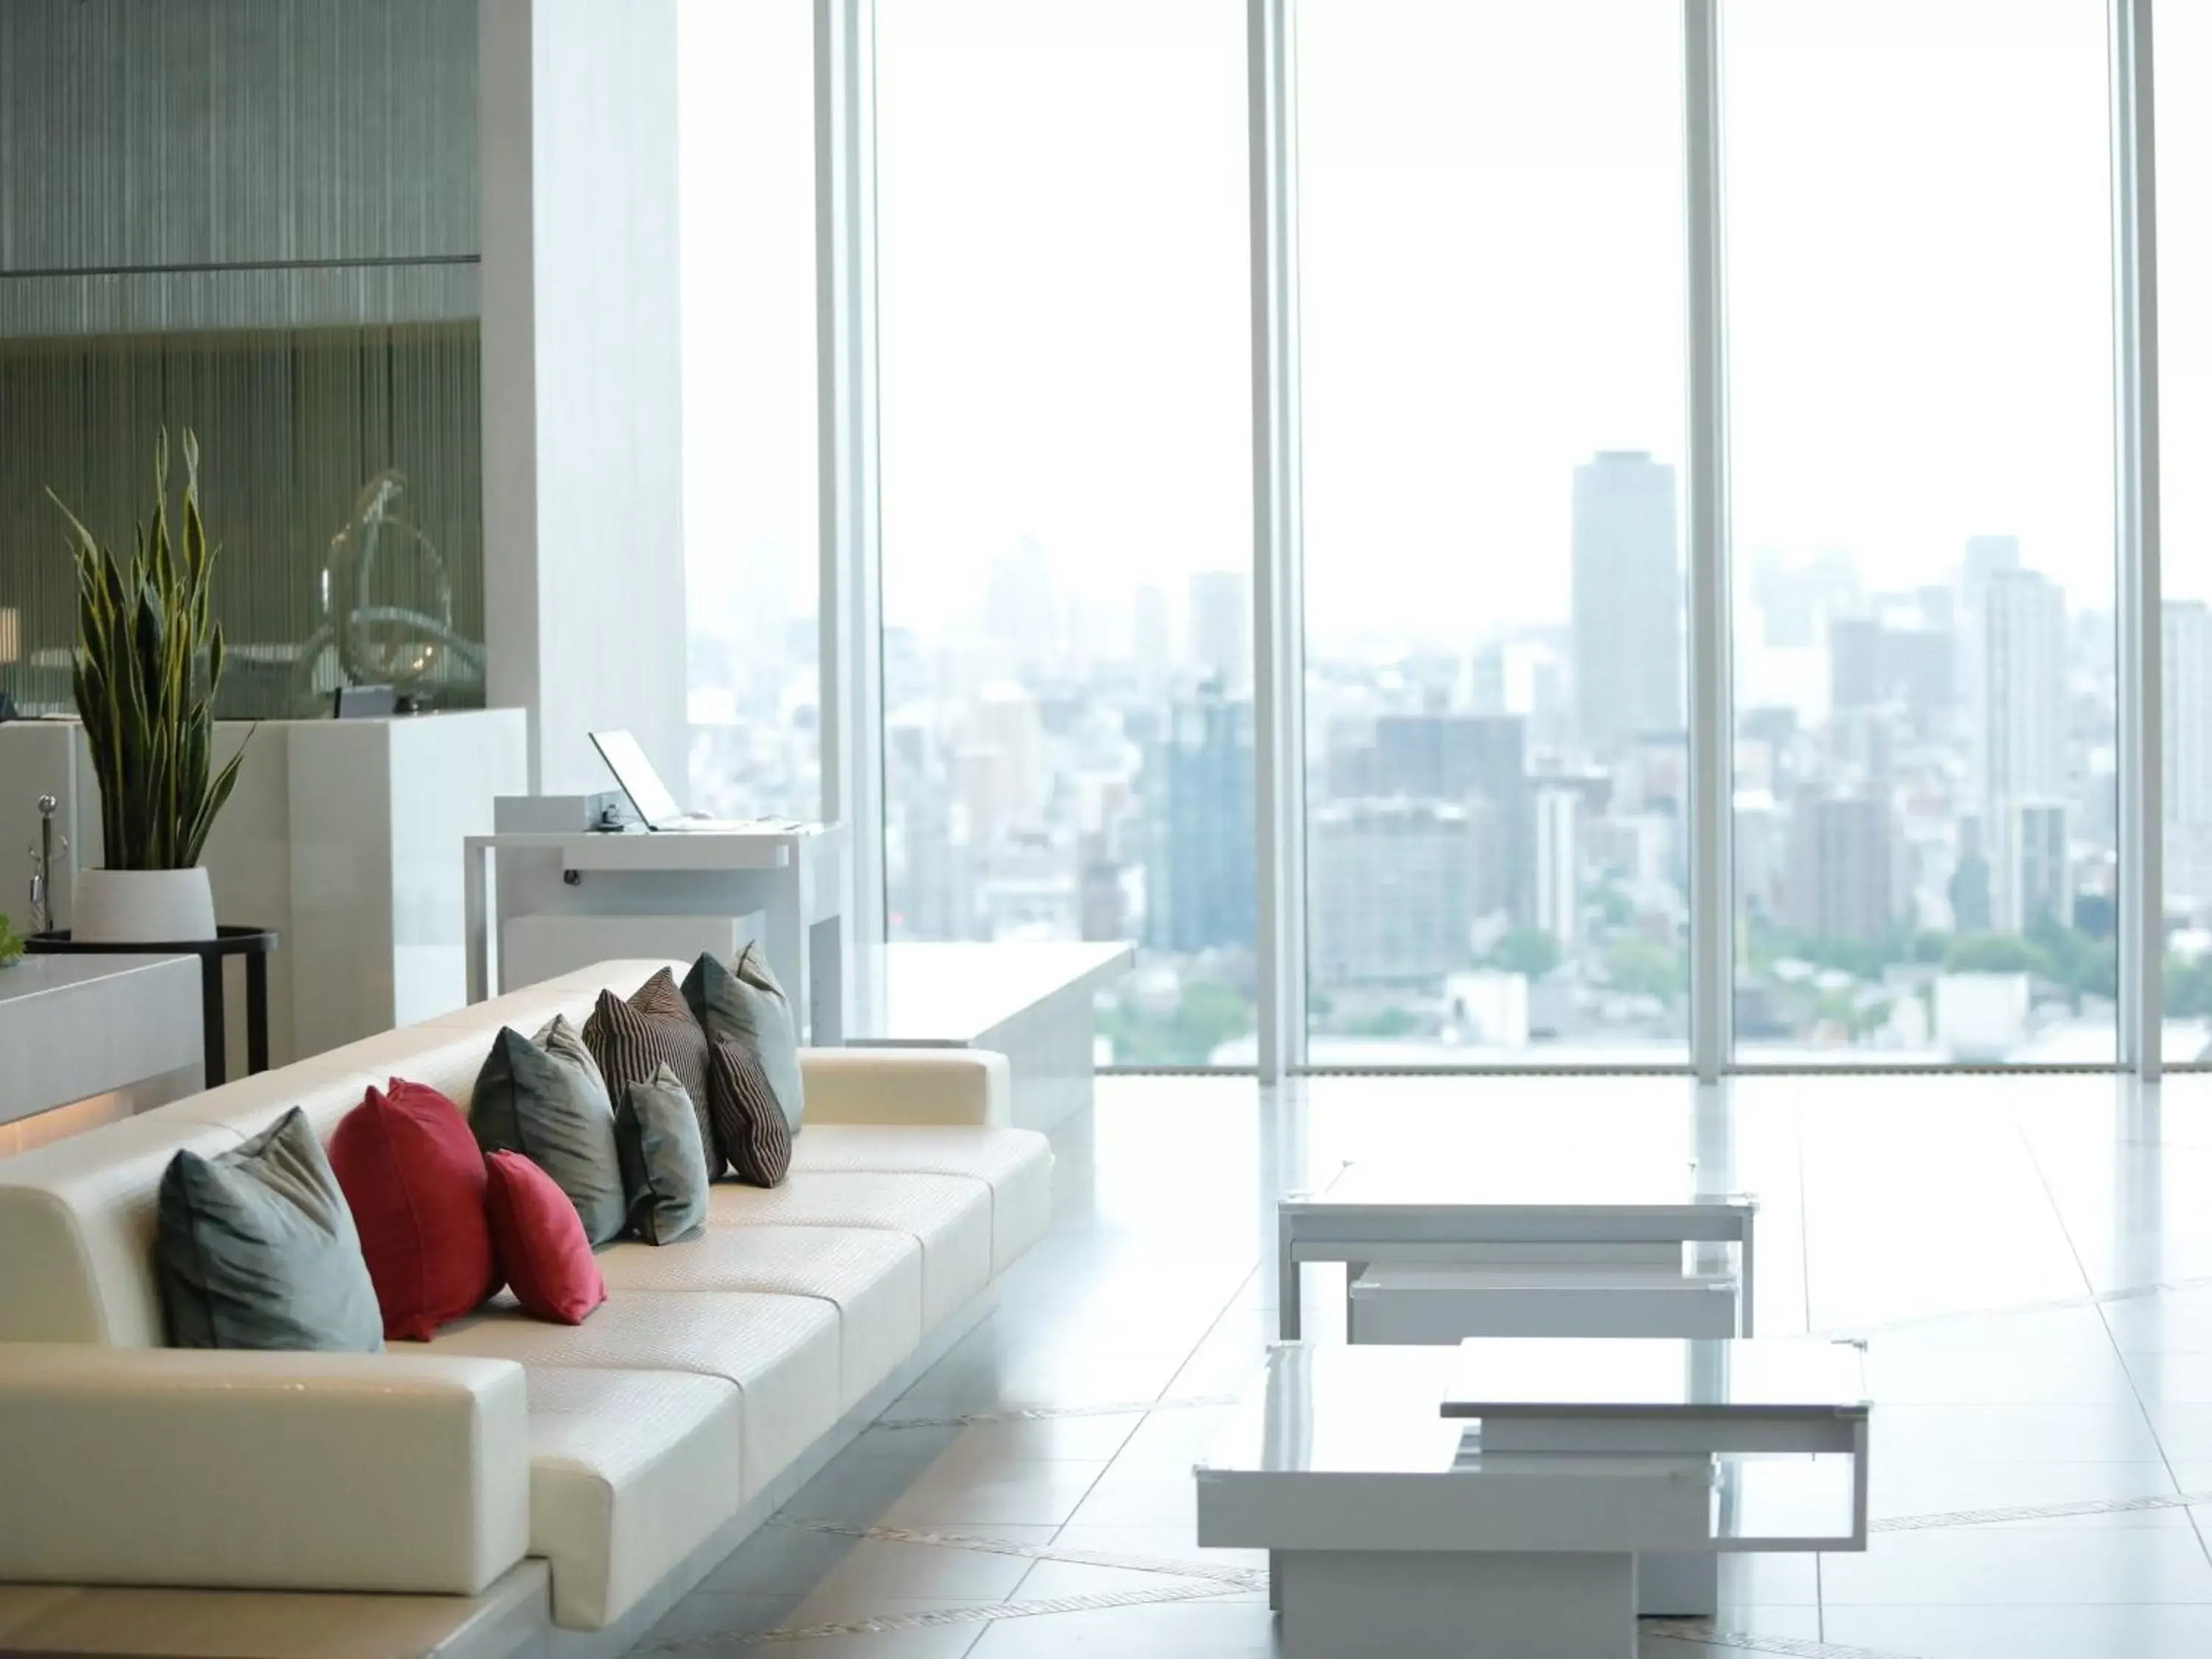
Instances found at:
x=147 y=660
x=11 y=944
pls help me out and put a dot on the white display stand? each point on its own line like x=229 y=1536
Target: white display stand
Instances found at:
x=1512 y=1528
x=342 y=837
x=1033 y=1001
x=600 y=895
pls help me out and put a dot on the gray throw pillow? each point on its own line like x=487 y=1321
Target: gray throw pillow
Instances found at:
x=664 y=1165
x=545 y=1099
x=256 y=1248
x=741 y=1002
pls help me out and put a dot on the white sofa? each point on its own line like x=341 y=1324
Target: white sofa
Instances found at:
x=630 y=1453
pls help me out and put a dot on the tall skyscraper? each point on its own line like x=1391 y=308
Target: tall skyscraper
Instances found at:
x=1392 y=885
x=1843 y=859
x=1627 y=599
x=2023 y=749
x=1558 y=865
x=1221 y=627
x=2185 y=712
x=1201 y=877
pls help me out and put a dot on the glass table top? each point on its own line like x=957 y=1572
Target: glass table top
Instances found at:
x=1655 y=1377
x=1547 y=1184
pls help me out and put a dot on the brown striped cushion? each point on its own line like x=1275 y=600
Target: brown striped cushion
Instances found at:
x=632 y=1040
x=748 y=1121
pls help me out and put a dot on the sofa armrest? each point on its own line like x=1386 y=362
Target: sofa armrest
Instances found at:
x=261 y=1471
x=907 y=1085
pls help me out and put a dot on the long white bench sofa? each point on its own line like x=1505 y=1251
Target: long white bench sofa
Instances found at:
x=559 y=1486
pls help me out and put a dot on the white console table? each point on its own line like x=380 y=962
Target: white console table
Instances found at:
x=602 y=894
x=72 y=1028
x=1491 y=1501
x=1601 y=1216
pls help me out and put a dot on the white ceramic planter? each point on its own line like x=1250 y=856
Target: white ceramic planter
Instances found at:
x=143 y=907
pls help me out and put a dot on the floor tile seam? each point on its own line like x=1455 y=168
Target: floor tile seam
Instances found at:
x=980 y=1615
x=1238 y=1578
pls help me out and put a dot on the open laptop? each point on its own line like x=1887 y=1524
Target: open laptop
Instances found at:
x=626 y=759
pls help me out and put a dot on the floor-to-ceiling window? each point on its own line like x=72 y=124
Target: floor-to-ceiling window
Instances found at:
x=1920 y=344
x=2182 y=36
x=1066 y=522
x=746 y=95
x=1491 y=325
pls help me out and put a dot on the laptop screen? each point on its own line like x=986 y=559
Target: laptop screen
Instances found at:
x=627 y=761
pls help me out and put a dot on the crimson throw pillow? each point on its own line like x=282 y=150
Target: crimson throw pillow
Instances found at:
x=408 y=1164
x=540 y=1241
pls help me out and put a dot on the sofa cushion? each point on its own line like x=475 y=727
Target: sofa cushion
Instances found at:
x=544 y=1098
x=748 y=1123
x=663 y=1163
x=1016 y=1162
x=949 y=1215
x=257 y=1250
x=741 y=1002
x=872 y=1279
x=654 y=1027
x=629 y=1473
x=415 y=1181
x=780 y=1350
x=543 y=1252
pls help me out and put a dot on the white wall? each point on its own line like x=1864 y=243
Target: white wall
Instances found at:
x=582 y=399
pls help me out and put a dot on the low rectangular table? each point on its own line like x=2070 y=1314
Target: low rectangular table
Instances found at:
x=1514 y=1533
x=1597 y=1215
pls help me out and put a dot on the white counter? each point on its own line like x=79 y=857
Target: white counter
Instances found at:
x=344 y=835
x=75 y=1027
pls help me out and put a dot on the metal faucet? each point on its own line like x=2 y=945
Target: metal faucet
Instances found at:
x=42 y=867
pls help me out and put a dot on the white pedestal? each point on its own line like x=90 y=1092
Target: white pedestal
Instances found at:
x=1340 y=1604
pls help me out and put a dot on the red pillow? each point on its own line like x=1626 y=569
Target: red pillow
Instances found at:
x=413 y=1177
x=540 y=1240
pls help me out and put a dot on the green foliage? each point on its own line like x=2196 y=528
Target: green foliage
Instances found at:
x=149 y=658
x=11 y=943
x=1529 y=951
x=1385 y=1022
x=1643 y=966
x=1206 y=1015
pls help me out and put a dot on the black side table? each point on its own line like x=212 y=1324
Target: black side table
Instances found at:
x=255 y=943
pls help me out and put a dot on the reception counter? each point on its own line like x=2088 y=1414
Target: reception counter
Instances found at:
x=344 y=835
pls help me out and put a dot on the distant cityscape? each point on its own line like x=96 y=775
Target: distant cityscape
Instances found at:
x=1496 y=846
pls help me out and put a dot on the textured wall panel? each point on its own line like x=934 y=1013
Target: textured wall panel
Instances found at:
x=142 y=134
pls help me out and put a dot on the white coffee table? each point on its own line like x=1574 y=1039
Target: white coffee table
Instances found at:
x=1514 y=1533
x=1599 y=1215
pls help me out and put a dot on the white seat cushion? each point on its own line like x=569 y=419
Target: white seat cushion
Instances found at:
x=872 y=1278
x=1017 y=1163
x=949 y=1215
x=781 y=1351
x=629 y=1473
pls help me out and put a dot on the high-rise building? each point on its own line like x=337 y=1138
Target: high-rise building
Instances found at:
x=1201 y=879
x=2034 y=885
x=1986 y=557
x=1221 y=627
x=2023 y=749
x=1022 y=614
x=1627 y=599
x=2185 y=712
x=1843 y=860
x=1393 y=885
x=1558 y=865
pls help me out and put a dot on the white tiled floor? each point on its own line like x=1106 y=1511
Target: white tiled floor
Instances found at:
x=2030 y=1258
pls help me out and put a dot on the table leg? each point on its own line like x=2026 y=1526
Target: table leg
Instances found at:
x=257 y=1012
x=1744 y=1273
x=213 y=1068
x=1286 y=1281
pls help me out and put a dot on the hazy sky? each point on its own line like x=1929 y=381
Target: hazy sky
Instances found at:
x=1920 y=298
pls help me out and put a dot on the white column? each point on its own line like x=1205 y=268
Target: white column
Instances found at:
x=852 y=555
x=1712 y=759
x=582 y=399
x=1278 y=545
x=2135 y=491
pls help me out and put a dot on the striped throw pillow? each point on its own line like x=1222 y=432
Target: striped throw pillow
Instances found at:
x=748 y=1121
x=632 y=1040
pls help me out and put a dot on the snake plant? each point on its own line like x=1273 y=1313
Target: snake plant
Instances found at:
x=147 y=660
